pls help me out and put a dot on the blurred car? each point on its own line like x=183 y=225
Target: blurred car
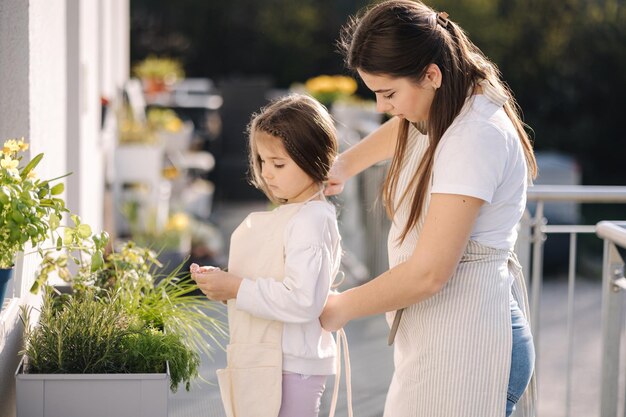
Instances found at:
x=557 y=168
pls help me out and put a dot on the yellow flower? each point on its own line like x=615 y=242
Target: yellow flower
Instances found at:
x=329 y=88
x=320 y=84
x=10 y=146
x=9 y=164
x=173 y=125
x=178 y=221
x=170 y=172
x=23 y=146
x=346 y=85
x=166 y=119
x=331 y=84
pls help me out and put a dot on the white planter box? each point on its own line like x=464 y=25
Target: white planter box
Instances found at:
x=93 y=395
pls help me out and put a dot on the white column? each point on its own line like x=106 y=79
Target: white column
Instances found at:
x=33 y=82
x=85 y=187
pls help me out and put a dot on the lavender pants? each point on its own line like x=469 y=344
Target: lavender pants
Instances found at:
x=302 y=395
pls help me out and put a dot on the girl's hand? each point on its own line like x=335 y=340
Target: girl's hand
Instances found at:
x=195 y=268
x=331 y=318
x=215 y=283
x=336 y=178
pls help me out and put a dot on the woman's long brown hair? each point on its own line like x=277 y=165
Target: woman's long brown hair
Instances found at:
x=401 y=38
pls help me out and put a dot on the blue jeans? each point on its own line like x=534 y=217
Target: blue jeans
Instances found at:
x=522 y=357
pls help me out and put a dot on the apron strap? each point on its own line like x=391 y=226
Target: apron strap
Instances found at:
x=342 y=341
x=319 y=194
x=394 y=326
x=527 y=404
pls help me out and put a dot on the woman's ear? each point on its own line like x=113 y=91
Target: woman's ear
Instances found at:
x=433 y=76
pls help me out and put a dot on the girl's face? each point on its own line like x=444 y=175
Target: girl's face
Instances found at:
x=402 y=97
x=283 y=177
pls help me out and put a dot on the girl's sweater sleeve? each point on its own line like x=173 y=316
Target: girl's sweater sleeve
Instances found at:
x=311 y=246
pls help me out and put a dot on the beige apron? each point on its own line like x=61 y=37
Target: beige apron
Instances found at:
x=251 y=383
x=452 y=351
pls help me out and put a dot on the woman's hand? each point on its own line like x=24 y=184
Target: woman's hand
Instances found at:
x=336 y=178
x=376 y=147
x=215 y=283
x=331 y=318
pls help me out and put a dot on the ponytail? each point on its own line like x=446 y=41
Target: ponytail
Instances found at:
x=377 y=43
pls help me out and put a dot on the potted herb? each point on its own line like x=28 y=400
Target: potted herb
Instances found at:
x=133 y=130
x=116 y=335
x=158 y=73
x=29 y=210
x=175 y=133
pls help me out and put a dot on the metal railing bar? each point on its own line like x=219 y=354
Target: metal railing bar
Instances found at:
x=612 y=310
x=569 y=228
x=536 y=273
x=571 y=282
x=578 y=193
x=612 y=231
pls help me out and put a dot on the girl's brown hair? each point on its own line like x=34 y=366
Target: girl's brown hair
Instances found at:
x=401 y=38
x=306 y=131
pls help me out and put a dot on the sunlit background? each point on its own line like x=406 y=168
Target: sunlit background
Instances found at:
x=146 y=102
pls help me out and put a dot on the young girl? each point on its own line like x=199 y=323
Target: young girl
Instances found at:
x=281 y=266
x=456 y=189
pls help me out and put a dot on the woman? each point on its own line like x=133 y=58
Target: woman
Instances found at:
x=456 y=189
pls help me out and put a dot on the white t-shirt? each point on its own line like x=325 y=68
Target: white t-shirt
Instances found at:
x=480 y=155
x=312 y=259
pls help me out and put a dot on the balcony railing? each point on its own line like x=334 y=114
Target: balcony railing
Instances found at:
x=534 y=229
x=613 y=286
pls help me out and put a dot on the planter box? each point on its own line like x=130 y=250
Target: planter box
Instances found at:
x=93 y=395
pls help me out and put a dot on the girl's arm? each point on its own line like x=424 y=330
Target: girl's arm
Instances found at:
x=444 y=236
x=375 y=147
x=310 y=258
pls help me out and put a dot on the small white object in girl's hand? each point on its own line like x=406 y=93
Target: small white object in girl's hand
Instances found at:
x=195 y=268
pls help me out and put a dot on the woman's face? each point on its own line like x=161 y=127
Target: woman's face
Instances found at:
x=403 y=97
x=283 y=177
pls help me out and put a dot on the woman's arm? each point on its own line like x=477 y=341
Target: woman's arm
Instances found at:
x=375 y=147
x=444 y=236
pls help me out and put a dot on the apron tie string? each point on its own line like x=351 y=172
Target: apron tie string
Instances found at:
x=342 y=342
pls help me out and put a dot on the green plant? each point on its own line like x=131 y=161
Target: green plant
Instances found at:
x=164 y=119
x=131 y=276
x=131 y=130
x=162 y=68
x=29 y=210
x=87 y=333
x=78 y=244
